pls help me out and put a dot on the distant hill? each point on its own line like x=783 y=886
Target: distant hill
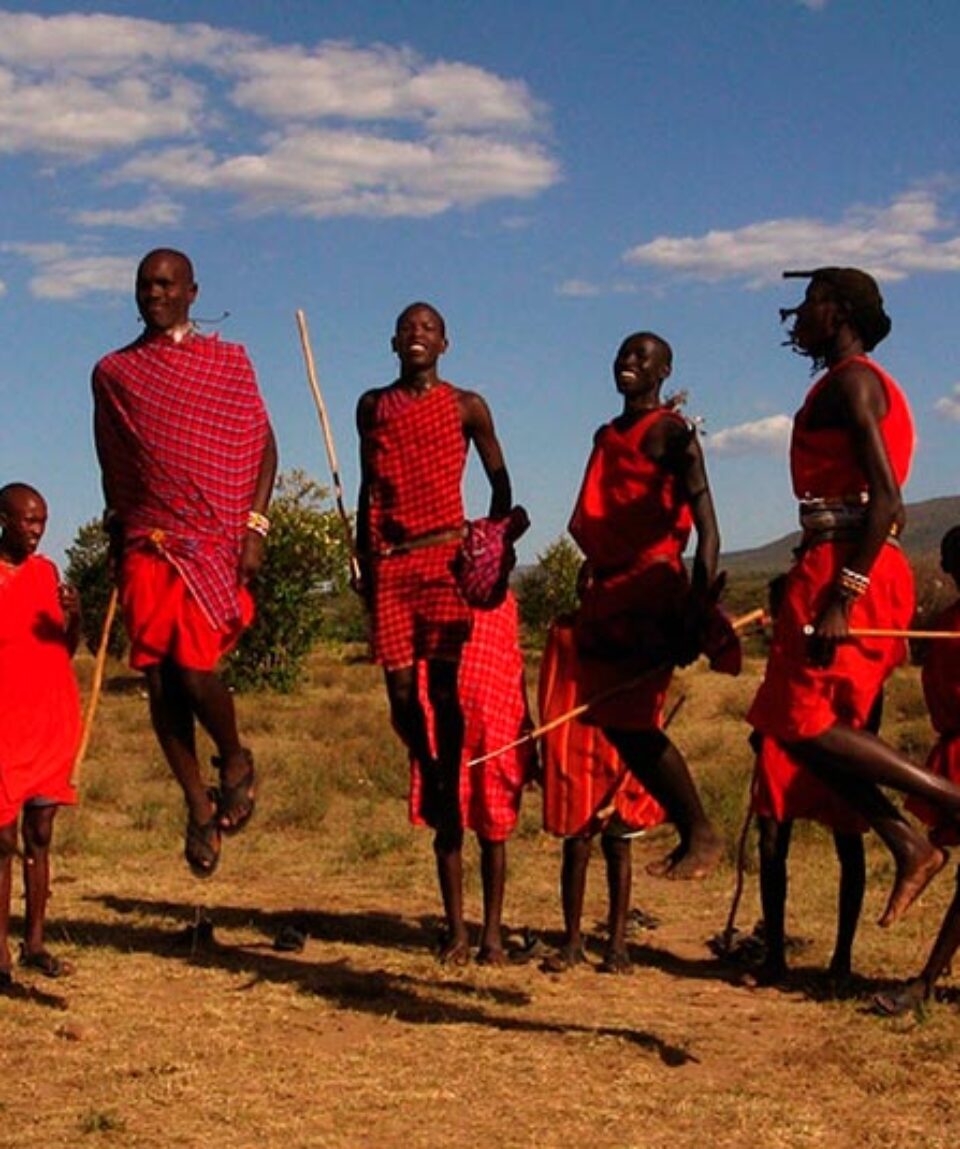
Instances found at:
x=927 y=522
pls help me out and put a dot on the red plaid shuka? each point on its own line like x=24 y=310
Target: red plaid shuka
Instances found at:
x=180 y=431
x=495 y=713
x=417 y=453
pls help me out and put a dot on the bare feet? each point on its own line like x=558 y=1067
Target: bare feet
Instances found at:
x=765 y=975
x=490 y=955
x=563 y=959
x=455 y=952
x=43 y=961
x=616 y=962
x=894 y=1002
x=690 y=861
x=912 y=879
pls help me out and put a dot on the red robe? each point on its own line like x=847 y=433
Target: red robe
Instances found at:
x=585 y=781
x=941 y=690
x=632 y=522
x=796 y=699
x=494 y=701
x=39 y=705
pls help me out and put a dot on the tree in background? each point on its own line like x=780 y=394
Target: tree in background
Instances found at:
x=549 y=587
x=302 y=590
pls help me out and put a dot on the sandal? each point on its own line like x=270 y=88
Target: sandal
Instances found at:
x=44 y=962
x=236 y=801
x=6 y=980
x=563 y=959
x=616 y=961
x=202 y=847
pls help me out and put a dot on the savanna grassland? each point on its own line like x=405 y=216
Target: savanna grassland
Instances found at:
x=166 y=1036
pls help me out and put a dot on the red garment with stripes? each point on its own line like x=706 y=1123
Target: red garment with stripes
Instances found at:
x=494 y=701
x=181 y=430
x=417 y=452
x=39 y=703
x=796 y=699
x=585 y=781
x=941 y=690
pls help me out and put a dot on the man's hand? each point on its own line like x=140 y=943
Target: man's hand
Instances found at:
x=251 y=557
x=830 y=628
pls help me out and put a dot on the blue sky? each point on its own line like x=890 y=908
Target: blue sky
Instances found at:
x=552 y=175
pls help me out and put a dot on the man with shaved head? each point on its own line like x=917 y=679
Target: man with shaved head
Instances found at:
x=188 y=460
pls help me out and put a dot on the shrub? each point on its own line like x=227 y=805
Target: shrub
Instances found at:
x=550 y=587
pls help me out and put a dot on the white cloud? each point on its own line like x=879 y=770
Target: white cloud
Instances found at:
x=579 y=289
x=892 y=242
x=949 y=405
x=62 y=272
x=323 y=130
x=768 y=436
x=151 y=214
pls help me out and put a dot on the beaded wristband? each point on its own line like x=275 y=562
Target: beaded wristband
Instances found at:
x=258 y=523
x=853 y=584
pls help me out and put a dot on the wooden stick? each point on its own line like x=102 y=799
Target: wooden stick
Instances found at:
x=98 y=669
x=885 y=632
x=328 y=440
x=739 y=623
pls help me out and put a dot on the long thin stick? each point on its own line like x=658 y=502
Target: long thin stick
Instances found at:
x=737 y=624
x=889 y=632
x=98 y=669
x=327 y=439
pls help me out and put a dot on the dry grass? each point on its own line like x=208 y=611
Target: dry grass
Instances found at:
x=362 y=1040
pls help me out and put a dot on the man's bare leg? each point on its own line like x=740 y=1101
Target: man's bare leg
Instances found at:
x=774 y=848
x=663 y=771
x=853 y=883
x=493 y=874
x=37 y=836
x=618 y=855
x=8 y=847
x=854 y=763
x=573 y=885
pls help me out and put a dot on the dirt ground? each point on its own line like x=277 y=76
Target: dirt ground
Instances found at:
x=363 y=1039
x=166 y=1037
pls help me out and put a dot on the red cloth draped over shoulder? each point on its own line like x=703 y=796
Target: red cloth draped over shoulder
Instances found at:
x=417 y=452
x=494 y=702
x=822 y=460
x=585 y=780
x=941 y=690
x=39 y=703
x=181 y=430
x=796 y=699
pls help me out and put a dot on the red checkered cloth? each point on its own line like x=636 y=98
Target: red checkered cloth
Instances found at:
x=39 y=703
x=941 y=690
x=181 y=430
x=495 y=712
x=417 y=452
x=585 y=781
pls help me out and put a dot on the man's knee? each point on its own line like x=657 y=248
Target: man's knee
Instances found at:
x=38 y=828
x=8 y=841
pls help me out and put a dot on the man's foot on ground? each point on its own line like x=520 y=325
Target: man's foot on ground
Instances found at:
x=490 y=955
x=455 y=952
x=616 y=962
x=6 y=979
x=911 y=882
x=45 y=962
x=895 y=1002
x=237 y=798
x=763 y=976
x=563 y=959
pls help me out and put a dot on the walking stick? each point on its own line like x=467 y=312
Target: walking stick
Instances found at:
x=98 y=669
x=887 y=632
x=726 y=938
x=328 y=440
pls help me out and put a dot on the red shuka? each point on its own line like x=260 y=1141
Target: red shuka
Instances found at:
x=494 y=702
x=941 y=690
x=585 y=781
x=796 y=699
x=632 y=522
x=180 y=431
x=39 y=704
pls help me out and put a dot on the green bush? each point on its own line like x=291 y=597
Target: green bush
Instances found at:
x=549 y=588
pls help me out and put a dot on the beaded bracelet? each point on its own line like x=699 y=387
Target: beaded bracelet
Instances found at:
x=258 y=523
x=853 y=584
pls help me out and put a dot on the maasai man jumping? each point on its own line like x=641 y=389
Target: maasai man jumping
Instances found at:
x=188 y=460
x=414 y=437
x=644 y=489
x=39 y=717
x=850 y=453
